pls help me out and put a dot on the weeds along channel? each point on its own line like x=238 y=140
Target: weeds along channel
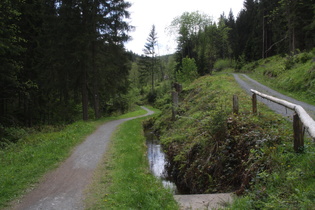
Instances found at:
x=212 y=150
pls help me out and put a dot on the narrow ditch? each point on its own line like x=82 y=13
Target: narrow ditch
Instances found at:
x=157 y=160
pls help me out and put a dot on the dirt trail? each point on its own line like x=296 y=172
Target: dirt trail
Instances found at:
x=63 y=188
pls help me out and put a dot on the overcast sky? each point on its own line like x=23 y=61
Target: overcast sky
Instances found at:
x=145 y=13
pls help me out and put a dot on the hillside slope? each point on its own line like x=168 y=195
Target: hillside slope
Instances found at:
x=212 y=150
x=292 y=75
x=209 y=148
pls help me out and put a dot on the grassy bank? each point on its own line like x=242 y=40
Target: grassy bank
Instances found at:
x=22 y=164
x=123 y=180
x=291 y=75
x=213 y=150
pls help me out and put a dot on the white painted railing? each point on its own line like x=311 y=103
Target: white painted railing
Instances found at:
x=301 y=119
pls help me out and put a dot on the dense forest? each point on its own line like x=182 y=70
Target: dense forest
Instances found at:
x=262 y=29
x=61 y=59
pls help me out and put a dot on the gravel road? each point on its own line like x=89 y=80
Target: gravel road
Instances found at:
x=247 y=83
x=63 y=188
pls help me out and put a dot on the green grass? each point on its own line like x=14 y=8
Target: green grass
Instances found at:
x=293 y=76
x=22 y=164
x=208 y=146
x=135 y=113
x=224 y=65
x=123 y=180
x=290 y=185
x=213 y=150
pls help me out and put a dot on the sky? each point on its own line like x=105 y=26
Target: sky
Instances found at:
x=145 y=13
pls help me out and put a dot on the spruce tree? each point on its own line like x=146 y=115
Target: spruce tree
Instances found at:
x=150 y=51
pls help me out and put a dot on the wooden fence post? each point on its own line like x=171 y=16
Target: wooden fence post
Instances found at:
x=235 y=104
x=175 y=104
x=254 y=102
x=298 y=130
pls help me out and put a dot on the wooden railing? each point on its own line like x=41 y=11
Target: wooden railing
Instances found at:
x=301 y=120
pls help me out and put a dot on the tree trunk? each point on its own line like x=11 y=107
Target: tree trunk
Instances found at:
x=84 y=62
x=94 y=67
x=2 y=109
x=263 y=37
x=95 y=84
x=293 y=40
x=85 y=99
x=152 y=74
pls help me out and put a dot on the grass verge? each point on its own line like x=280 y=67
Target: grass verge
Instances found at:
x=24 y=163
x=293 y=76
x=123 y=180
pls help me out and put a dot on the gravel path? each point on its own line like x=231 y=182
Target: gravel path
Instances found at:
x=247 y=83
x=63 y=188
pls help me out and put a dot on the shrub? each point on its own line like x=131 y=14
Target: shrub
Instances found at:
x=189 y=70
x=223 y=64
x=151 y=97
x=289 y=62
x=10 y=135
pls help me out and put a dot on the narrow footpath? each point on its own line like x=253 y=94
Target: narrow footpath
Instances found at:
x=63 y=188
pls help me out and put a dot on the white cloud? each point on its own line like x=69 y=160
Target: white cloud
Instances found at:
x=145 y=13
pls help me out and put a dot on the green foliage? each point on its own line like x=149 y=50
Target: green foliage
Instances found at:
x=260 y=30
x=126 y=182
x=289 y=63
x=209 y=148
x=151 y=60
x=36 y=152
x=188 y=72
x=212 y=150
x=151 y=97
x=290 y=185
x=11 y=135
x=292 y=75
x=187 y=27
x=10 y=49
x=224 y=64
x=163 y=78
x=240 y=62
x=45 y=84
x=23 y=163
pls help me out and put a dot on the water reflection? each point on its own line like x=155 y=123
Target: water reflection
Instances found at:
x=157 y=160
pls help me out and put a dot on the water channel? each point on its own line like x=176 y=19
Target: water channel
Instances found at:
x=157 y=160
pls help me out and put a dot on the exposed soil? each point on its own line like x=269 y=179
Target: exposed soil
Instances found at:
x=63 y=188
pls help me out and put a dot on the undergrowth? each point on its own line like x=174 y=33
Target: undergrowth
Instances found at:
x=212 y=150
